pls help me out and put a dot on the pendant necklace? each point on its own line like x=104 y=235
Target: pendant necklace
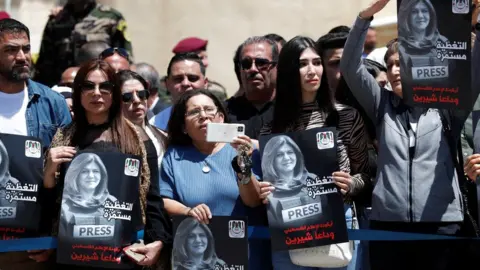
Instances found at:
x=205 y=168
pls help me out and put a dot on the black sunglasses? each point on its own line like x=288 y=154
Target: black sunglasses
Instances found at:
x=104 y=87
x=141 y=94
x=260 y=63
x=110 y=51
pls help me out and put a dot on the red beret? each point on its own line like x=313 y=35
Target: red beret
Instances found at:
x=4 y=15
x=191 y=44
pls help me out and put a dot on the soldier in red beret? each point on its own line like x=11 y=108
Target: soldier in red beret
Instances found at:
x=199 y=46
x=195 y=45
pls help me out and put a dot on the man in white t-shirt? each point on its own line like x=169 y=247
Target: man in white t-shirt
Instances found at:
x=26 y=108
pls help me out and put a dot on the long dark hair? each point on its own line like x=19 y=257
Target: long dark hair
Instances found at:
x=125 y=75
x=288 y=99
x=122 y=136
x=176 y=124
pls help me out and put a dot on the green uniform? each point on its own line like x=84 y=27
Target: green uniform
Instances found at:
x=65 y=33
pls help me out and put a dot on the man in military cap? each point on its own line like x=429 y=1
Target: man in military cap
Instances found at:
x=199 y=46
x=78 y=22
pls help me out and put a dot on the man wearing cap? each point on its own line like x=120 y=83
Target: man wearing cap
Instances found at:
x=78 y=22
x=199 y=46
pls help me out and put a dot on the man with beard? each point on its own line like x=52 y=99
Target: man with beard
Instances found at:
x=27 y=108
x=78 y=22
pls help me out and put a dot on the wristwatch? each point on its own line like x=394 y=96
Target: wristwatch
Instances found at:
x=245 y=173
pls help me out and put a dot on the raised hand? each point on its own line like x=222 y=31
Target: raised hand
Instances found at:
x=375 y=7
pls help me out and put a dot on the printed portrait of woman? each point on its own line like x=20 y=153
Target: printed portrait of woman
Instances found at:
x=418 y=37
x=85 y=193
x=283 y=165
x=5 y=177
x=194 y=247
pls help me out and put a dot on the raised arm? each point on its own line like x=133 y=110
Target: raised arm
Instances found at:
x=362 y=84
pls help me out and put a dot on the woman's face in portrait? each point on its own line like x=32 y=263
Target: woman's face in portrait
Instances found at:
x=200 y=110
x=89 y=177
x=420 y=17
x=311 y=71
x=197 y=242
x=285 y=160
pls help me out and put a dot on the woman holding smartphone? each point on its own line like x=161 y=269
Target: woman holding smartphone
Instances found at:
x=197 y=177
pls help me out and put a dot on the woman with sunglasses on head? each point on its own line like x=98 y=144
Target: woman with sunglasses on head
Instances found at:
x=99 y=125
x=303 y=101
x=198 y=178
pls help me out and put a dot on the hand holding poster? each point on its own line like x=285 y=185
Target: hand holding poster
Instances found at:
x=98 y=213
x=306 y=208
x=435 y=53
x=220 y=245
x=21 y=177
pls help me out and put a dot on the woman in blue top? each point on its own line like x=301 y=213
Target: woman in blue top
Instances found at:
x=197 y=178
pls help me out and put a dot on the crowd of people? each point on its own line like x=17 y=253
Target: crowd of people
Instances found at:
x=396 y=167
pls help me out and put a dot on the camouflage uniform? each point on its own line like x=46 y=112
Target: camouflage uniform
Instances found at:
x=64 y=35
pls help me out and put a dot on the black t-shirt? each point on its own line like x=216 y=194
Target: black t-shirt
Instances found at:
x=240 y=110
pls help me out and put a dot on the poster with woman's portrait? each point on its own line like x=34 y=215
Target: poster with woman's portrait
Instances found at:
x=21 y=177
x=306 y=208
x=99 y=209
x=435 y=53
x=220 y=245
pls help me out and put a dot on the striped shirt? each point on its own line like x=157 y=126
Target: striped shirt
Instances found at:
x=352 y=139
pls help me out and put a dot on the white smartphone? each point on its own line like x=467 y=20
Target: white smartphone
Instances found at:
x=221 y=132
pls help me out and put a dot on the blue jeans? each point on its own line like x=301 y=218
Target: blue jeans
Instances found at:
x=281 y=259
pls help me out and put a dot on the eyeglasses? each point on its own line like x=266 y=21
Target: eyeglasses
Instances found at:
x=195 y=113
x=110 y=51
x=105 y=88
x=260 y=63
x=141 y=94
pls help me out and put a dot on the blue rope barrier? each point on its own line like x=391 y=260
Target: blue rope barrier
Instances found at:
x=254 y=232
x=36 y=243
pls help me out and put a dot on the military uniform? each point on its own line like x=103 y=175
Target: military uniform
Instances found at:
x=65 y=33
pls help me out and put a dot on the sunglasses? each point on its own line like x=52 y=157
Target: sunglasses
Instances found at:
x=260 y=63
x=141 y=94
x=111 y=51
x=105 y=88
